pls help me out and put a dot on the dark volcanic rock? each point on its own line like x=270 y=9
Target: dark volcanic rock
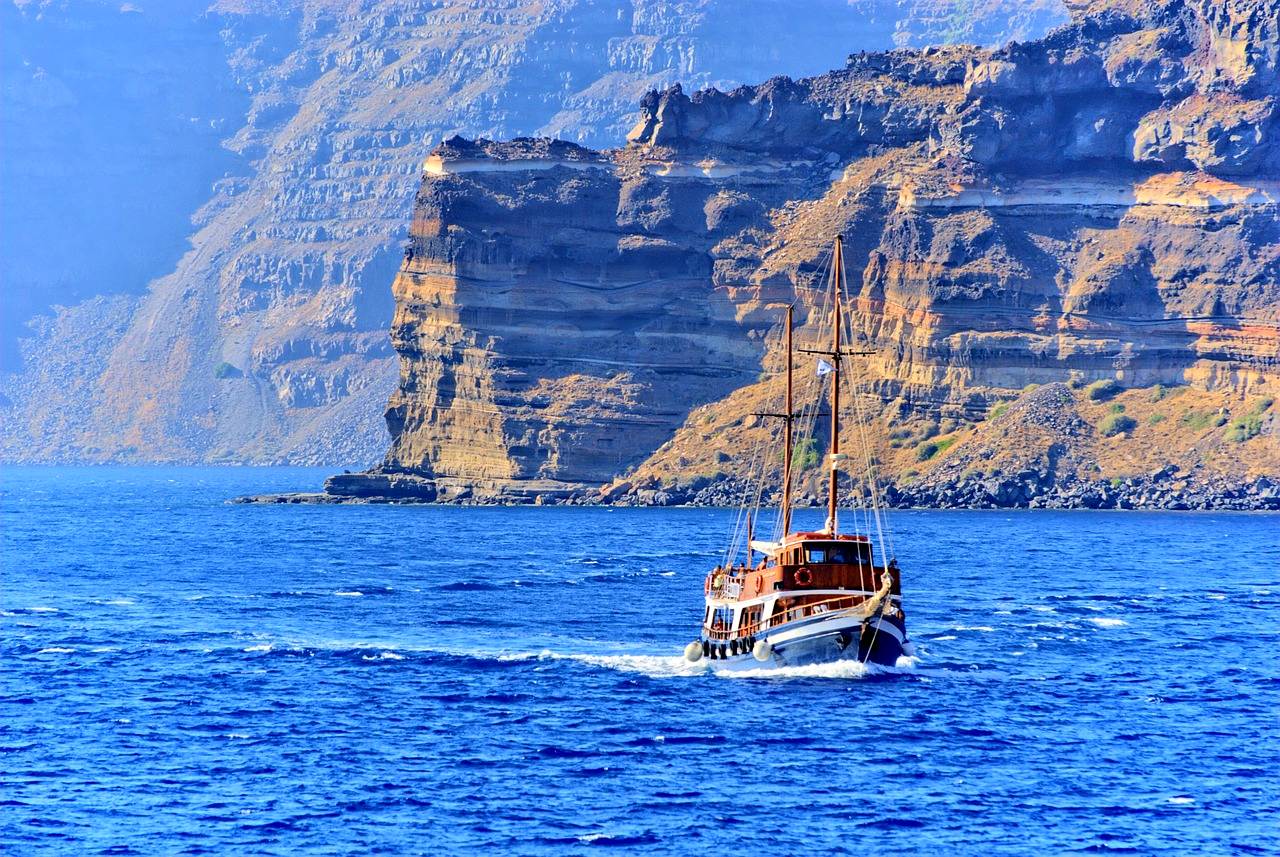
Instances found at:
x=260 y=158
x=583 y=317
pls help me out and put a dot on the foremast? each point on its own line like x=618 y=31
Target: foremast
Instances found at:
x=833 y=460
x=787 y=435
x=836 y=353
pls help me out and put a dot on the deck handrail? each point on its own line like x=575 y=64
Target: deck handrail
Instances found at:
x=739 y=575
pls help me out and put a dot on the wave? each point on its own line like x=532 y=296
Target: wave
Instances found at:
x=1105 y=622
x=55 y=650
x=468 y=586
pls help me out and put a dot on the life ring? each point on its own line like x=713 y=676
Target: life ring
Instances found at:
x=803 y=576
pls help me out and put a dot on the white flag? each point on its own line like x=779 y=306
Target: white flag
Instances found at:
x=824 y=368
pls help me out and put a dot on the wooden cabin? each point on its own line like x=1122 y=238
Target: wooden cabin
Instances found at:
x=804 y=575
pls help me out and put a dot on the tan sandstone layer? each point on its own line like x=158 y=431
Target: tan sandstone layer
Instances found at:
x=264 y=340
x=1022 y=223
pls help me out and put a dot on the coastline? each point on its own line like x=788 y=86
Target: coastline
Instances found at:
x=1162 y=492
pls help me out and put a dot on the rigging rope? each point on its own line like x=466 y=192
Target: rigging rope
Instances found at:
x=872 y=484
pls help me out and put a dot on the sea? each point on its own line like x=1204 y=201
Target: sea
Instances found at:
x=180 y=675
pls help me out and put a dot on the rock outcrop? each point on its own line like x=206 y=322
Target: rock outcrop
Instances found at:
x=265 y=340
x=1099 y=206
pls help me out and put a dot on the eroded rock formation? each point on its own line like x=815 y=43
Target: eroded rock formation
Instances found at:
x=1102 y=204
x=266 y=340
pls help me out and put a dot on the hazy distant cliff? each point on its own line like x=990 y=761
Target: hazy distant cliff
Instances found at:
x=1100 y=207
x=264 y=337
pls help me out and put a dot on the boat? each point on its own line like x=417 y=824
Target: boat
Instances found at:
x=809 y=596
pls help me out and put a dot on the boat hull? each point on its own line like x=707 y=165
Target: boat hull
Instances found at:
x=881 y=640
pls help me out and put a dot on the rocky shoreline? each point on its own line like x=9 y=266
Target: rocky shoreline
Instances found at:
x=1166 y=490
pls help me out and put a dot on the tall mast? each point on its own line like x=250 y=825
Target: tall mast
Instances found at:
x=787 y=442
x=837 y=275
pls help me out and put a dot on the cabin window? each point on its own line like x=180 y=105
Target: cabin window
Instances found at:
x=840 y=552
x=844 y=553
x=722 y=620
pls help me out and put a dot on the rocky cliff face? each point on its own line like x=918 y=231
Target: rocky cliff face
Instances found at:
x=1099 y=207
x=113 y=122
x=266 y=340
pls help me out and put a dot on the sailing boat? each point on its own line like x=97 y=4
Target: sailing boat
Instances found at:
x=813 y=597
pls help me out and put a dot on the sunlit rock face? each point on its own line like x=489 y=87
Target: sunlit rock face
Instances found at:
x=259 y=309
x=558 y=312
x=1101 y=203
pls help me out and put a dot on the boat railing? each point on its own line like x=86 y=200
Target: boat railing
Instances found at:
x=726 y=582
x=790 y=614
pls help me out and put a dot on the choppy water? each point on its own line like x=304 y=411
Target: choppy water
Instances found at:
x=184 y=676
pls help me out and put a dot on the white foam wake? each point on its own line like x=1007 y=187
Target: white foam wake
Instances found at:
x=675 y=666
x=836 y=669
x=654 y=666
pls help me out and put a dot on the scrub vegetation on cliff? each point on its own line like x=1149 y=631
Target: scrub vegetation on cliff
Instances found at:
x=1065 y=250
x=238 y=176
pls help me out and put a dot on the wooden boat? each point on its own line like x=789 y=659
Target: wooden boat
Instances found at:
x=813 y=596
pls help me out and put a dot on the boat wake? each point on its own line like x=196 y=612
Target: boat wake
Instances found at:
x=676 y=666
x=652 y=666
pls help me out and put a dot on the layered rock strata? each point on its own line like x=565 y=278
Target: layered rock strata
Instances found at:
x=1100 y=205
x=264 y=337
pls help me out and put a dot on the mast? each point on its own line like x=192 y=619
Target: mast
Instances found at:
x=787 y=441
x=837 y=275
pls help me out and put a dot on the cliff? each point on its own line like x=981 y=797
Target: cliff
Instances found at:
x=1065 y=254
x=249 y=323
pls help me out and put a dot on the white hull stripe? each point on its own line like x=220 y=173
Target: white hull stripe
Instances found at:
x=832 y=625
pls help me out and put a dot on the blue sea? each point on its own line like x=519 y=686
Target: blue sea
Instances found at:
x=184 y=676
